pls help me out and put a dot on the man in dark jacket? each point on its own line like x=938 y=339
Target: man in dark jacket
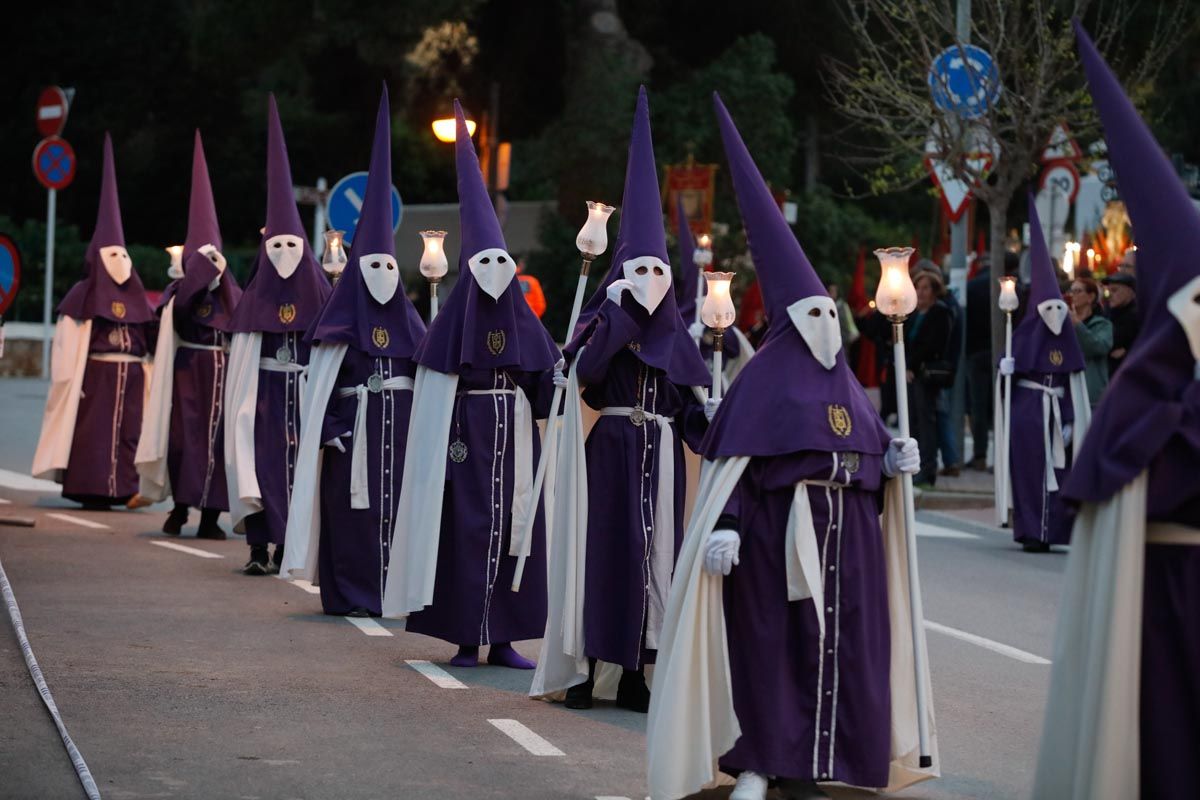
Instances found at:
x=1122 y=312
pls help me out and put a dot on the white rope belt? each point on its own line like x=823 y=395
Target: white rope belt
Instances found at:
x=524 y=504
x=360 y=496
x=662 y=544
x=196 y=346
x=116 y=358
x=1052 y=435
x=275 y=365
x=1172 y=533
x=802 y=556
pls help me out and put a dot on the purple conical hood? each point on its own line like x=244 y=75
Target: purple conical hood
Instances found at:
x=1035 y=347
x=689 y=274
x=663 y=340
x=783 y=381
x=1149 y=417
x=270 y=302
x=202 y=226
x=352 y=316
x=784 y=272
x=97 y=295
x=472 y=330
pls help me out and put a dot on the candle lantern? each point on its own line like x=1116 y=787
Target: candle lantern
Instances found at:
x=717 y=313
x=333 y=261
x=434 y=265
x=175 y=270
x=592 y=239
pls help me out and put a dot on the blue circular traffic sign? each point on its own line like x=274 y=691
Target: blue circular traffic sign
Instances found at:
x=10 y=272
x=345 y=204
x=54 y=163
x=964 y=80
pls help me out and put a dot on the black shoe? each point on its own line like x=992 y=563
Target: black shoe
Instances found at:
x=358 y=611
x=258 y=563
x=276 y=560
x=801 y=790
x=1035 y=547
x=632 y=692
x=579 y=696
x=209 y=529
x=175 y=520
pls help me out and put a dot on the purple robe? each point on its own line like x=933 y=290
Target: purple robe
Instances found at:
x=622 y=471
x=355 y=543
x=100 y=468
x=1039 y=515
x=473 y=603
x=276 y=438
x=810 y=708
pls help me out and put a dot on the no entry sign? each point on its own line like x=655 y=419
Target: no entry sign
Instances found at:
x=54 y=163
x=10 y=272
x=51 y=111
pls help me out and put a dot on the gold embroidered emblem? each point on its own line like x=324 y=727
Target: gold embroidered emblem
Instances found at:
x=204 y=310
x=287 y=313
x=380 y=337
x=496 y=341
x=1056 y=357
x=118 y=309
x=839 y=420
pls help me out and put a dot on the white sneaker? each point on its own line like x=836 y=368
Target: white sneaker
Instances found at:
x=750 y=786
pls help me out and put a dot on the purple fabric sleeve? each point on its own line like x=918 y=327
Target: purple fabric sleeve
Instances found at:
x=614 y=329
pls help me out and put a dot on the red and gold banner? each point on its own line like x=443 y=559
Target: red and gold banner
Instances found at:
x=695 y=183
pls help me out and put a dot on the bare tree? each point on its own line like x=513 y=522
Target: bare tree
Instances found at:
x=886 y=95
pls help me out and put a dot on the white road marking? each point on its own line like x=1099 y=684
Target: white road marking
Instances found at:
x=525 y=737
x=4 y=502
x=988 y=644
x=439 y=676
x=301 y=584
x=183 y=548
x=927 y=531
x=26 y=483
x=368 y=626
x=74 y=520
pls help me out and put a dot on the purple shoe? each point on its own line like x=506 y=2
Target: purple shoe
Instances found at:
x=503 y=655
x=467 y=656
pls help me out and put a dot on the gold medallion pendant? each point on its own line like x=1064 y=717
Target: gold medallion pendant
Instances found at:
x=851 y=462
x=458 y=451
x=839 y=420
x=204 y=310
x=118 y=309
x=114 y=337
x=635 y=346
x=287 y=313
x=496 y=341
x=638 y=416
x=1056 y=357
x=380 y=337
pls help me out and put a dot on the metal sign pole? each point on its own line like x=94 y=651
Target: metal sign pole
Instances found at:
x=52 y=197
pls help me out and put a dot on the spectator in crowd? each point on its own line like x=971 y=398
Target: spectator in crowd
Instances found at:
x=926 y=333
x=531 y=288
x=845 y=316
x=947 y=438
x=1095 y=334
x=1123 y=314
x=979 y=364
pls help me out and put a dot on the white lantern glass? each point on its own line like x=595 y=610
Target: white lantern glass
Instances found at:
x=702 y=256
x=1008 y=294
x=896 y=296
x=718 y=311
x=175 y=270
x=593 y=236
x=334 y=259
x=434 y=265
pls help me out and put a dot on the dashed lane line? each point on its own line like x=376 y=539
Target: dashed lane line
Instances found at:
x=4 y=502
x=987 y=644
x=526 y=738
x=300 y=583
x=929 y=531
x=183 y=548
x=27 y=483
x=74 y=520
x=439 y=676
x=368 y=626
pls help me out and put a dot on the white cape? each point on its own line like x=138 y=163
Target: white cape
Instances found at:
x=692 y=720
x=68 y=360
x=151 y=459
x=1002 y=439
x=1089 y=747
x=241 y=401
x=303 y=535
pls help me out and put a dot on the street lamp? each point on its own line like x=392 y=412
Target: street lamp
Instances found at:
x=434 y=265
x=702 y=256
x=445 y=129
x=718 y=314
x=896 y=298
x=334 y=259
x=175 y=271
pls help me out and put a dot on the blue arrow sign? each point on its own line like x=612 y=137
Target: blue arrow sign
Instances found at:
x=345 y=204
x=968 y=87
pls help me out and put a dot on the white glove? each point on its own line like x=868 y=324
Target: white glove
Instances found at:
x=721 y=552
x=696 y=329
x=1007 y=366
x=1067 y=431
x=710 y=408
x=616 y=287
x=337 y=442
x=902 y=455
x=560 y=380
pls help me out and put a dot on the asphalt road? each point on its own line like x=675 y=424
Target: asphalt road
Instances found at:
x=179 y=677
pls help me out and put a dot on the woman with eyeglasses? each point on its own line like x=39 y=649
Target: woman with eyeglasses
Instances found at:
x=1094 y=332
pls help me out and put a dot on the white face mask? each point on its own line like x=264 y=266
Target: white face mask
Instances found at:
x=380 y=274
x=651 y=280
x=493 y=270
x=817 y=321
x=116 y=263
x=1054 y=314
x=214 y=255
x=1184 y=305
x=285 y=251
